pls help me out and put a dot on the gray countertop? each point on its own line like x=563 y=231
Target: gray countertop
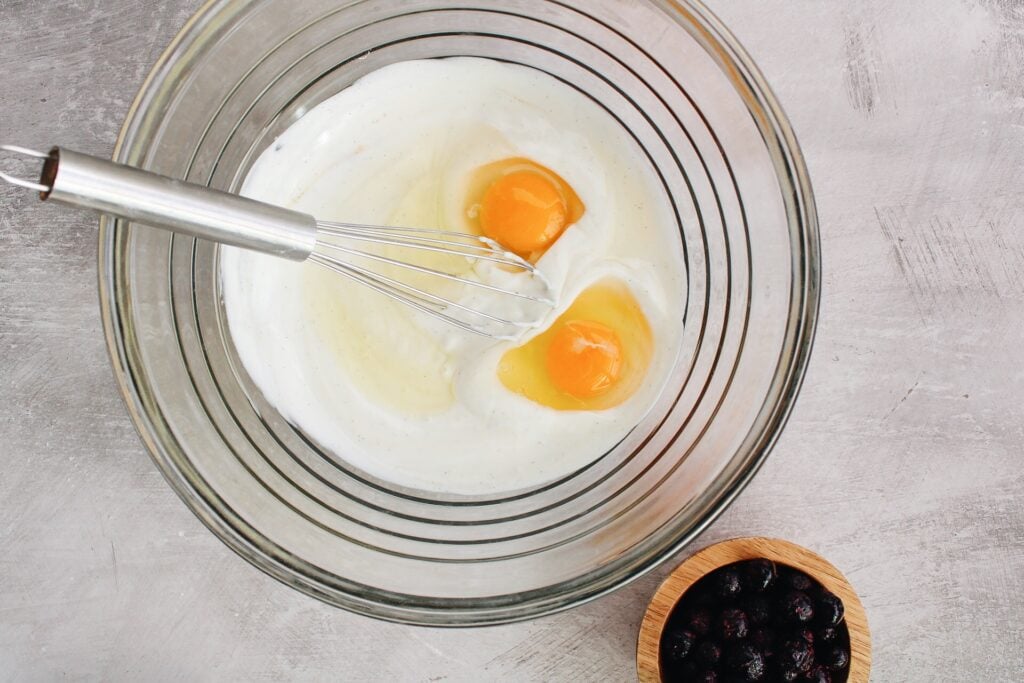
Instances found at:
x=901 y=463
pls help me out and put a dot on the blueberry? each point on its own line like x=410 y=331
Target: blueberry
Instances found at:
x=727 y=583
x=787 y=675
x=764 y=640
x=708 y=653
x=698 y=621
x=835 y=658
x=827 y=634
x=796 y=653
x=758 y=610
x=748 y=662
x=687 y=672
x=702 y=593
x=829 y=610
x=733 y=624
x=796 y=606
x=799 y=581
x=677 y=645
x=706 y=676
x=759 y=575
x=818 y=674
x=806 y=635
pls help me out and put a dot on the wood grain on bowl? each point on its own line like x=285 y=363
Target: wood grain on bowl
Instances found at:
x=648 y=660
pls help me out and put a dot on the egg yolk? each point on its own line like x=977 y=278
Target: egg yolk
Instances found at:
x=593 y=357
x=524 y=212
x=584 y=358
x=522 y=205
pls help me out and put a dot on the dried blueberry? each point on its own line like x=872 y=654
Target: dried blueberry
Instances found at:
x=727 y=583
x=796 y=606
x=827 y=634
x=806 y=635
x=759 y=575
x=829 y=610
x=758 y=610
x=677 y=645
x=708 y=653
x=796 y=653
x=698 y=621
x=733 y=624
x=818 y=674
x=799 y=581
x=702 y=593
x=748 y=662
x=787 y=675
x=835 y=658
x=764 y=640
x=687 y=672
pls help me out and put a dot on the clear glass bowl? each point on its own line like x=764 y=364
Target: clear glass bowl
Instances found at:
x=238 y=74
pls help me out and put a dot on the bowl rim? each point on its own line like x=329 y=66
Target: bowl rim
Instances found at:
x=247 y=542
x=706 y=560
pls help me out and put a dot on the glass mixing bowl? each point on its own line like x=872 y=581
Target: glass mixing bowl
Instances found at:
x=238 y=74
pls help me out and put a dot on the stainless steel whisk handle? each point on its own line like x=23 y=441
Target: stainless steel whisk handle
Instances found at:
x=140 y=196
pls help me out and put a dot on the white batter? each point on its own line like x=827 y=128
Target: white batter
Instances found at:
x=377 y=384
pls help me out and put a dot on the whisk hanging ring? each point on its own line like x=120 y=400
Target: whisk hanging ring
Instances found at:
x=21 y=182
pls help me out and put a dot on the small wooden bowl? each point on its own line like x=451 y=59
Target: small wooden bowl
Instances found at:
x=648 y=660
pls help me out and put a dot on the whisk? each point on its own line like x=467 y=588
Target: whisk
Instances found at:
x=480 y=286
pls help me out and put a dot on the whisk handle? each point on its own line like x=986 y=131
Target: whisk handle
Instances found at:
x=89 y=182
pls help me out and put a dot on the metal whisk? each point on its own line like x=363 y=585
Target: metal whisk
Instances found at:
x=478 y=286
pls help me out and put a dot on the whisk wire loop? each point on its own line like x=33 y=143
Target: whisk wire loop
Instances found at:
x=419 y=300
x=347 y=248
x=483 y=249
x=360 y=253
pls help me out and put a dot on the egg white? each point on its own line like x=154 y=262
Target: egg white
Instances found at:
x=383 y=388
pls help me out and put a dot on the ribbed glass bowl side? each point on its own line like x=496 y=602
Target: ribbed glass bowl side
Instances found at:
x=238 y=74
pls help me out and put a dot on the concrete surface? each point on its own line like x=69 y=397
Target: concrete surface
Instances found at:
x=901 y=463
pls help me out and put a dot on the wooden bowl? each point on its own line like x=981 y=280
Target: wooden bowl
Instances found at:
x=648 y=660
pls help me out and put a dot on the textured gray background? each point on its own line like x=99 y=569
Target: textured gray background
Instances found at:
x=901 y=463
